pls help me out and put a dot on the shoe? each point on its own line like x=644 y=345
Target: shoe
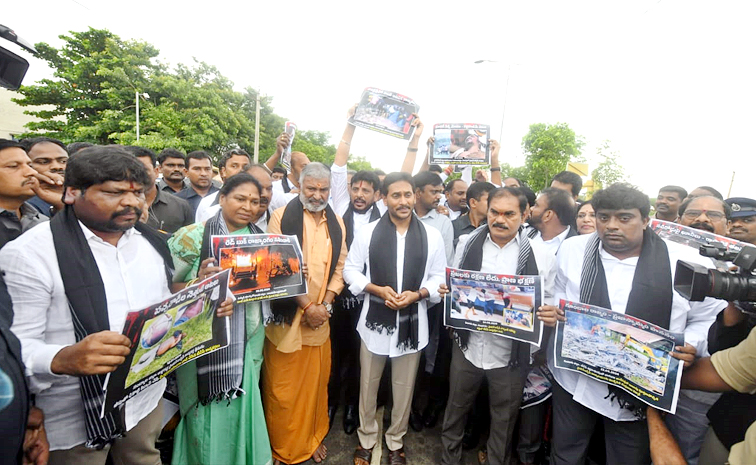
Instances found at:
x=416 y=420
x=351 y=419
x=397 y=457
x=331 y=414
x=362 y=456
x=430 y=416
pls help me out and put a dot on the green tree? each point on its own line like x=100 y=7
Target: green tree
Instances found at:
x=359 y=163
x=509 y=171
x=609 y=169
x=548 y=148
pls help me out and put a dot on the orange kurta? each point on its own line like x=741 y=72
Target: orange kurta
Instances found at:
x=297 y=358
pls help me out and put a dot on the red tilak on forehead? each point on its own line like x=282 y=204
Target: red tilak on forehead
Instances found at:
x=360 y=184
x=320 y=185
x=131 y=185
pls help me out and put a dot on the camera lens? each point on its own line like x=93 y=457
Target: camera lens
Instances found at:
x=731 y=286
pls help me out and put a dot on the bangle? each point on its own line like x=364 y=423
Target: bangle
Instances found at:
x=304 y=309
x=495 y=169
x=347 y=143
x=411 y=149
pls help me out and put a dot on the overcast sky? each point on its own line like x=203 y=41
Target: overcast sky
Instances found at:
x=670 y=83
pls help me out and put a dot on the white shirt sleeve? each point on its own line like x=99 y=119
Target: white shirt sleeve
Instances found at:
x=357 y=259
x=339 y=189
x=435 y=274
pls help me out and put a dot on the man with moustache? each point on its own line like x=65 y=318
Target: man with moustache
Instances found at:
x=551 y=217
x=496 y=247
x=91 y=264
x=355 y=202
x=199 y=170
x=455 y=192
x=232 y=162
x=49 y=158
x=742 y=219
x=17 y=184
x=399 y=262
x=706 y=213
x=668 y=202
x=297 y=352
x=172 y=166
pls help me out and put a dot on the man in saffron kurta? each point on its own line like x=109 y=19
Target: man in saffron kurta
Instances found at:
x=297 y=353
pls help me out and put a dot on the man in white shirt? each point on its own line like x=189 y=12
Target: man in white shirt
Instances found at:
x=455 y=192
x=404 y=265
x=92 y=265
x=499 y=248
x=355 y=202
x=626 y=267
x=551 y=217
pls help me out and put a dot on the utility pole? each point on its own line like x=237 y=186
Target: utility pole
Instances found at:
x=257 y=127
x=732 y=180
x=136 y=97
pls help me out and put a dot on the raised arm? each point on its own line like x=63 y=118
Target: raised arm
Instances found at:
x=282 y=142
x=409 y=159
x=342 y=152
x=495 y=166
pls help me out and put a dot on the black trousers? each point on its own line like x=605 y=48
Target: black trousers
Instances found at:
x=345 y=355
x=505 y=393
x=626 y=441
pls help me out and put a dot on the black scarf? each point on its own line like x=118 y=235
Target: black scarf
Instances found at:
x=219 y=374
x=650 y=296
x=87 y=301
x=382 y=258
x=292 y=224
x=472 y=260
x=349 y=221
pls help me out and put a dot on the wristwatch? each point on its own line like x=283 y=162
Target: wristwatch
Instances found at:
x=328 y=307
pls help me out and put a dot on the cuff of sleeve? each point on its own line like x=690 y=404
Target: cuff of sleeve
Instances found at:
x=338 y=169
x=41 y=361
x=359 y=285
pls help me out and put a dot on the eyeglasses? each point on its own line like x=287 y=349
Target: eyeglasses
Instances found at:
x=693 y=214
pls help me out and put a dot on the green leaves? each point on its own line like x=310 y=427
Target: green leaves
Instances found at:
x=548 y=148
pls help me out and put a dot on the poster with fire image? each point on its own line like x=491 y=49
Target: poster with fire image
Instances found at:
x=263 y=266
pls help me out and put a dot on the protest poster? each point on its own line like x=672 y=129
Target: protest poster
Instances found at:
x=494 y=303
x=695 y=238
x=385 y=112
x=291 y=129
x=167 y=335
x=460 y=144
x=262 y=266
x=620 y=350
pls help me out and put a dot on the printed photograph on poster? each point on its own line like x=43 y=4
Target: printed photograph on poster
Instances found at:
x=290 y=129
x=385 y=112
x=262 y=266
x=461 y=144
x=694 y=238
x=620 y=350
x=494 y=303
x=167 y=335
x=537 y=386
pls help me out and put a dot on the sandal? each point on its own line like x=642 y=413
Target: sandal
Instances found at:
x=363 y=456
x=397 y=457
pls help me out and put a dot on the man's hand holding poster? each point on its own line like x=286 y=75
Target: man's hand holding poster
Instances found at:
x=620 y=350
x=385 y=112
x=494 y=303
x=167 y=335
x=461 y=144
x=263 y=266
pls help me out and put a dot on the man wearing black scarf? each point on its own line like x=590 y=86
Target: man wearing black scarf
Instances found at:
x=399 y=263
x=625 y=267
x=497 y=246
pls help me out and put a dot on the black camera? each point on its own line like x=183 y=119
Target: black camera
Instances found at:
x=695 y=282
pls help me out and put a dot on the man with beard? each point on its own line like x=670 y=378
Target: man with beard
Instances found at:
x=48 y=157
x=627 y=268
x=91 y=264
x=297 y=352
x=172 y=165
x=706 y=213
x=742 y=219
x=498 y=247
x=455 y=192
x=399 y=262
x=17 y=184
x=668 y=202
x=551 y=217
x=568 y=182
x=355 y=203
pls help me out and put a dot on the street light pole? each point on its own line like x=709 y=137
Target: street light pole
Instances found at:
x=136 y=97
x=257 y=126
x=506 y=93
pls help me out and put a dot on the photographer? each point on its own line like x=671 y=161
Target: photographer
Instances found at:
x=728 y=370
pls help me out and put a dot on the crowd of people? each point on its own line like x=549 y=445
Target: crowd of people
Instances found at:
x=89 y=233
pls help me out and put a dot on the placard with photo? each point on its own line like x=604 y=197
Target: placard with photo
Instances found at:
x=461 y=144
x=385 y=112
